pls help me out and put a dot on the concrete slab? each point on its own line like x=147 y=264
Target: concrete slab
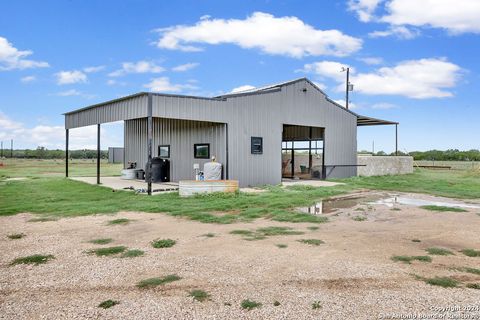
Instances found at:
x=117 y=183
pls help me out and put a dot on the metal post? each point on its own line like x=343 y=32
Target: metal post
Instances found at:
x=11 y=148
x=66 y=153
x=1 y=155
x=149 y=143
x=98 y=153
x=226 y=151
x=310 y=162
x=346 y=88
x=396 y=139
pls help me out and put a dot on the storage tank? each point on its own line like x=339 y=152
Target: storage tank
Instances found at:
x=160 y=170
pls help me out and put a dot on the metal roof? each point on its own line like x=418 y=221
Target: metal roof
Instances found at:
x=368 y=121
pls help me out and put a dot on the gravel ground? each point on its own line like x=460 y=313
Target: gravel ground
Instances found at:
x=351 y=275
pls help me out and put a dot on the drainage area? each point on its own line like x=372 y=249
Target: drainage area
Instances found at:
x=390 y=200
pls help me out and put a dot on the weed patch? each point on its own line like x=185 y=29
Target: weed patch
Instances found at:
x=312 y=242
x=101 y=241
x=35 y=259
x=163 y=243
x=312 y=228
x=209 y=235
x=416 y=240
x=443 y=208
x=281 y=245
x=469 y=270
x=316 y=305
x=132 y=253
x=359 y=218
x=262 y=233
x=154 y=282
x=439 y=251
x=119 y=221
x=442 y=282
x=409 y=259
x=473 y=286
x=108 y=304
x=42 y=219
x=199 y=295
x=471 y=252
x=101 y=252
x=15 y=236
x=249 y=304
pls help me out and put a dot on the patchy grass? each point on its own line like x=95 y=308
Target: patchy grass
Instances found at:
x=250 y=304
x=209 y=235
x=42 y=219
x=313 y=228
x=469 y=270
x=359 y=218
x=443 y=208
x=445 y=282
x=108 y=304
x=262 y=233
x=119 y=221
x=199 y=295
x=132 y=253
x=409 y=259
x=163 y=243
x=154 y=282
x=35 y=259
x=316 y=305
x=276 y=303
x=473 y=286
x=281 y=245
x=471 y=252
x=15 y=236
x=416 y=240
x=439 y=251
x=312 y=242
x=396 y=209
x=101 y=241
x=101 y=252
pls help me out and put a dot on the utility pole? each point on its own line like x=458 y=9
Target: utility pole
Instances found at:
x=11 y=148
x=1 y=155
x=348 y=85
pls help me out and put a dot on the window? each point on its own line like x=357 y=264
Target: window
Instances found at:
x=164 y=151
x=256 y=145
x=201 y=150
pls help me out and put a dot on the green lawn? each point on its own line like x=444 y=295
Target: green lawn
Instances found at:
x=64 y=197
x=446 y=183
x=13 y=168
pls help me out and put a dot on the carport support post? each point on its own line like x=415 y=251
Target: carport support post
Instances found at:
x=149 y=143
x=396 y=139
x=66 y=153
x=98 y=153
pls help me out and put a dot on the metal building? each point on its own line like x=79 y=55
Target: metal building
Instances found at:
x=247 y=131
x=115 y=155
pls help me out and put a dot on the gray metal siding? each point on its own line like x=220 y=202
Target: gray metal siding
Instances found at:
x=135 y=107
x=261 y=115
x=181 y=135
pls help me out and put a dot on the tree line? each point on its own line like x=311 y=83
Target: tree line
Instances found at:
x=436 y=155
x=44 y=153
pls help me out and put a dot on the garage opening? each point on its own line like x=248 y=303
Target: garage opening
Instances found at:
x=303 y=152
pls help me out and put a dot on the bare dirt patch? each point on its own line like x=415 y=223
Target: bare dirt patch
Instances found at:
x=351 y=275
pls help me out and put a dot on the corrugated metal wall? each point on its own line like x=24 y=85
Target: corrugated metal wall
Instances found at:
x=181 y=135
x=260 y=115
x=115 y=155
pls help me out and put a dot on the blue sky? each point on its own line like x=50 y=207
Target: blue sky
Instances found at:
x=410 y=63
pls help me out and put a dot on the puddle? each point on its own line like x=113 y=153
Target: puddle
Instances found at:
x=393 y=200
x=389 y=200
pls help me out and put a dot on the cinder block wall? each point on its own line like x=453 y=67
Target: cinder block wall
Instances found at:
x=384 y=165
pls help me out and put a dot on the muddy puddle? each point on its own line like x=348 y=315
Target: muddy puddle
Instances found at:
x=387 y=199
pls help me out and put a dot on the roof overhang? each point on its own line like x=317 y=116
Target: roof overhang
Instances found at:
x=368 y=121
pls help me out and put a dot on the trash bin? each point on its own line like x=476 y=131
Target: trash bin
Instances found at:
x=160 y=170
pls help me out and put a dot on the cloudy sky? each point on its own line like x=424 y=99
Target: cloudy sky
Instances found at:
x=412 y=61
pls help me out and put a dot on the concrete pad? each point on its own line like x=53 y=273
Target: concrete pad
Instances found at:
x=117 y=183
x=313 y=183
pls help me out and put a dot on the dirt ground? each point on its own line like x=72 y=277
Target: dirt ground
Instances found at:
x=351 y=275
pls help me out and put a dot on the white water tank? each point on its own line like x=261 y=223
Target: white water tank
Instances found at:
x=212 y=171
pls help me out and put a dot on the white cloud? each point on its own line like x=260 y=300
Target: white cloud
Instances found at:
x=351 y=105
x=163 y=84
x=53 y=136
x=371 y=60
x=364 y=8
x=383 y=105
x=327 y=69
x=418 y=79
x=242 y=88
x=69 y=77
x=74 y=92
x=320 y=85
x=185 y=67
x=287 y=36
x=28 y=79
x=456 y=16
x=93 y=69
x=12 y=58
x=137 y=67
x=400 y=32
